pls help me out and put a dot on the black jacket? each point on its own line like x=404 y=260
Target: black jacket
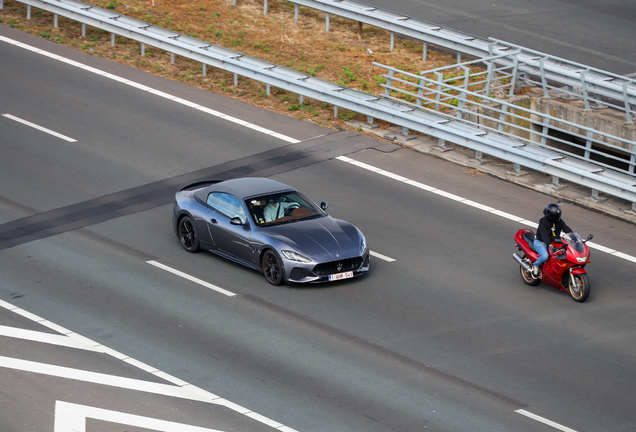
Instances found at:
x=548 y=231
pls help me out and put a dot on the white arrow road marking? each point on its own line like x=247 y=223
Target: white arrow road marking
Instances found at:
x=71 y=417
x=38 y=127
x=48 y=338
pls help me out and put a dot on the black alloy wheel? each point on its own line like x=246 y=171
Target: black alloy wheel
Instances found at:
x=272 y=267
x=188 y=235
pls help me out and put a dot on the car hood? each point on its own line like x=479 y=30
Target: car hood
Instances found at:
x=318 y=236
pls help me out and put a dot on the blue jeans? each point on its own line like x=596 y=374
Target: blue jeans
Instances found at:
x=542 y=248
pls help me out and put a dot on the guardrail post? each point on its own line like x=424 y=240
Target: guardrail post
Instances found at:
x=265 y=7
x=83 y=30
x=327 y=23
x=369 y=124
x=1 y=4
x=424 y=51
x=556 y=184
x=442 y=146
x=143 y=49
x=544 y=131
x=588 y=145
x=55 y=20
x=632 y=160
x=440 y=79
x=172 y=58
x=544 y=82
x=596 y=197
x=301 y=98
x=335 y=111
x=268 y=90
x=628 y=106
x=459 y=57
x=406 y=134
x=502 y=118
x=515 y=72
x=584 y=90
x=28 y=12
x=295 y=13
x=112 y=39
x=517 y=171
x=389 y=83
x=236 y=79
x=392 y=41
x=204 y=69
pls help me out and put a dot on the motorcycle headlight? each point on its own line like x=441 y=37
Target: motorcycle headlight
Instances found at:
x=581 y=259
x=295 y=256
x=363 y=244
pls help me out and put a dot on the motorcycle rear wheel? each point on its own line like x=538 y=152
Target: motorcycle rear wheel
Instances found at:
x=527 y=277
x=581 y=289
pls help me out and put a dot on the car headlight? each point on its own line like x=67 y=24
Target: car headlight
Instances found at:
x=581 y=259
x=363 y=244
x=295 y=256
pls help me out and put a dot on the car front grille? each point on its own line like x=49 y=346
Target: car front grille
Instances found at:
x=338 y=266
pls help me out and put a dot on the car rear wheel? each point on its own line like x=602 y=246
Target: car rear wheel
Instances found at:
x=188 y=234
x=272 y=267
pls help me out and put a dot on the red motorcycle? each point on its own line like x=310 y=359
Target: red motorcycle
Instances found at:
x=564 y=269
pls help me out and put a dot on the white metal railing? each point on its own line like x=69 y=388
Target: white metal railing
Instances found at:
x=549 y=161
x=442 y=96
x=550 y=72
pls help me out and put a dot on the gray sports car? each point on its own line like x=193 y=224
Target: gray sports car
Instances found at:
x=270 y=227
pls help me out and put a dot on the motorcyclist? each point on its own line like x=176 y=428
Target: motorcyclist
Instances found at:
x=550 y=227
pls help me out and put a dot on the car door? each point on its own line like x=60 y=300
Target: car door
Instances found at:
x=234 y=240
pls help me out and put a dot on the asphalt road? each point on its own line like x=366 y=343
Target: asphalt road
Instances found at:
x=444 y=338
x=597 y=34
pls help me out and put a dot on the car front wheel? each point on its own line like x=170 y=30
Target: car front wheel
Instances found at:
x=272 y=267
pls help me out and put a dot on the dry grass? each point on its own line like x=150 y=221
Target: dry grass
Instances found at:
x=341 y=56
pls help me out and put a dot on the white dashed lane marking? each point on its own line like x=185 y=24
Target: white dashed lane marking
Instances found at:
x=38 y=127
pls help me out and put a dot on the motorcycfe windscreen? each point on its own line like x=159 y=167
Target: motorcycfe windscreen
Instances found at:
x=565 y=267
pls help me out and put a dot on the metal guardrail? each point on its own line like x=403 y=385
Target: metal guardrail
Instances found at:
x=443 y=97
x=581 y=81
x=394 y=112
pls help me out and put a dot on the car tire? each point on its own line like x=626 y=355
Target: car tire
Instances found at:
x=188 y=235
x=272 y=267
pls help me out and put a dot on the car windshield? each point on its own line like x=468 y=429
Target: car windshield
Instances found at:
x=282 y=208
x=574 y=240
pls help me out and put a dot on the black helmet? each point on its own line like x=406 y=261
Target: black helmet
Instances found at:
x=552 y=212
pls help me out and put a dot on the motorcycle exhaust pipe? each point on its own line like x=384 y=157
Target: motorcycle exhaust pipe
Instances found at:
x=523 y=264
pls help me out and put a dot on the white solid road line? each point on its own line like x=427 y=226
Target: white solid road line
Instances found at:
x=150 y=90
x=544 y=420
x=40 y=128
x=191 y=278
x=473 y=204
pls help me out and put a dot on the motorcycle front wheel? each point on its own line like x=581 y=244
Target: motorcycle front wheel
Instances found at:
x=580 y=291
x=527 y=277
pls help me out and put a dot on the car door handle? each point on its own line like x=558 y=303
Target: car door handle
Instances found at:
x=213 y=221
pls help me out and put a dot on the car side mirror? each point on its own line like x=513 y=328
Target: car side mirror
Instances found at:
x=236 y=221
x=324 y=205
